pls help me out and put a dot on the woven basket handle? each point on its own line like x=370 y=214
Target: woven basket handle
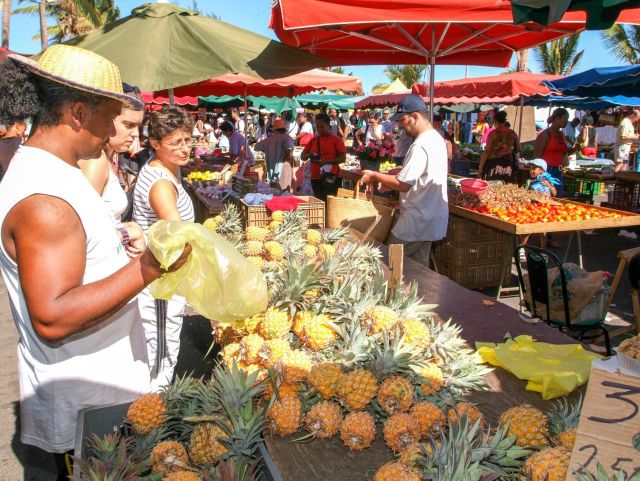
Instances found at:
x=356 y=192
x=371 y=227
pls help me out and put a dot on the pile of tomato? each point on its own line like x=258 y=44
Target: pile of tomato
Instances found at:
x=533 y=213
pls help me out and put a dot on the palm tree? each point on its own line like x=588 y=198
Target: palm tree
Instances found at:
x=561 y=56
x=522 y=57
x=42 y=14
x=408 y=74
x=6 y=21
x=624 y=42
x=379 y=88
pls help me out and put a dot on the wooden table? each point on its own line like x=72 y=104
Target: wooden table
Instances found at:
x=331 y=460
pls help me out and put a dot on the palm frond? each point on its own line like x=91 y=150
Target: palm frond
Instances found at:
x=624 y=42
x=559 y=57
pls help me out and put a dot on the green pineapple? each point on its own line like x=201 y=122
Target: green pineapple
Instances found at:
x=563 y=422
x=231 y=225
x=108 y=461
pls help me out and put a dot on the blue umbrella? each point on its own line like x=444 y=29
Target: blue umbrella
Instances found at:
x=581 y=103
x=600 y=82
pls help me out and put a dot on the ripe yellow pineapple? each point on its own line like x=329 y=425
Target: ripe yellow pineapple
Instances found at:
x=325 y=377
x=433 y=379
x=146 y=413
x=528 y=424
x=231 y=353
x=429 y=416
x=416 y=333
x=253 y=248
x=204 y=444
x=256 y=261
x=275 y=324
x=310 y=251
x=274 y=225
x=302 y=317
x=274 y=251
x=250 y=348
x=395 y=471
x=326 y=251
x=277 y=215
x=358 y=430
x=357 y=389
x=468 y=409
x=400 y=431
x=212 y=223
x=395 y=394
x=251 y=323
x=314 y=237
x=296 y=365
x=168 y=456
x=285 y=389
x=567 y=438
x=324 y=419
x=284 y=416
x=318 y=332
x=182 y=476
x=311 y=295
x=379 y=319
x=550 y=464
x=224 y=333
x=414 y=454
x=272 y=350
x=256 y=233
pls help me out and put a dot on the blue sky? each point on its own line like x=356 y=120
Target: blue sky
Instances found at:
x=254 y=15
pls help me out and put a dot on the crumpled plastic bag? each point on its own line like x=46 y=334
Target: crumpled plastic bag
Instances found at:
x=553 y=370
x=217 y=281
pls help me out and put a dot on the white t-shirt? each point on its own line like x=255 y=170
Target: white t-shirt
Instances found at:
x=370 y=131
x=240 y=126
x=292 y=129
x=306 y=128
x=424 y=210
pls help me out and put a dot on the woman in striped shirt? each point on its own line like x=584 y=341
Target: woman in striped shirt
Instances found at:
x=159 y=195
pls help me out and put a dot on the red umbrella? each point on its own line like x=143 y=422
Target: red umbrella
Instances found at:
x=152 y=99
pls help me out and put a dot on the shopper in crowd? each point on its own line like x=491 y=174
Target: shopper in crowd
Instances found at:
x=71 y=286
x=371 y=131
x=488 y=128
x=422 y=183
x=263 y=126
x=278 y=148
x=103 y=171
x=199 y=129
x=159 y=195
x=387 y=124
x=479 y=128
x=551 y=145
x=626 y=135
x=437 y=125
x=541 y=181
x=292 y=125
x=237 y=120
x=238 y=149
x=11 y=137
x=587 y=138
x=337 y=125
x=571 y=130
x=305 y=132
x=325 y=152
x=500 y=157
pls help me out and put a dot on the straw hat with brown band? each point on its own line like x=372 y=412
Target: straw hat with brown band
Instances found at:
x=79 y=69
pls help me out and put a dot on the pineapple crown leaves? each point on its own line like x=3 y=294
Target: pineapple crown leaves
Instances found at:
x=500 y=454
x=331 y=236
x=353 y=345
x=404 y=300
x=238 y=470
x=234 y=388
x=243 y=430
x=465 y=372
x=393 y=356
x=296 y=279
x=564 y=415
x=141 y=447
x=115 y=464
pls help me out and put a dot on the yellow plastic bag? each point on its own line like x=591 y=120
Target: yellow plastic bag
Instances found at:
x=217 y=281
x=552 y=369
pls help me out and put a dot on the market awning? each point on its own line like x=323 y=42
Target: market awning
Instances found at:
x=276 y=104
x=381 y=100
x=396 y=87
x=601 y=14
x=582 y=103
x=150 y=98
x=328 y=101
x=600 y=82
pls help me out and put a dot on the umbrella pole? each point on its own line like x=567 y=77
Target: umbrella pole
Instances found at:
x=432 y=87
x=246 y=128
x=520 y=119
x=172 y=98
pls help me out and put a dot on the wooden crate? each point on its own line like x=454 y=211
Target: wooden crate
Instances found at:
x=259 y=216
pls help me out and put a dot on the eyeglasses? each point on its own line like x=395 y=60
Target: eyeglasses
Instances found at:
x=178 y=144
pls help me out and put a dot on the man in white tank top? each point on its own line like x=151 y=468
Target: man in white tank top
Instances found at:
x=67 y=274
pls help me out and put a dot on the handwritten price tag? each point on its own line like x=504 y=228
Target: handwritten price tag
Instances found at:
x=609 y=430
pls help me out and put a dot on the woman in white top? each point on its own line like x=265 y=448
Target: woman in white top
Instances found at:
x=159 y=195
x=102 y=172
x=372 y=131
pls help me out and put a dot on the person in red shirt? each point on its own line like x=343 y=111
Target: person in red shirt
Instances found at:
x=326 y=151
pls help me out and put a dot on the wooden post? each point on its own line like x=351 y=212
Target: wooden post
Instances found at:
x=396 y=261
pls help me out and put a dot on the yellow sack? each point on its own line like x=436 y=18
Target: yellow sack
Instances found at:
x=552 y=369
x=217 y=281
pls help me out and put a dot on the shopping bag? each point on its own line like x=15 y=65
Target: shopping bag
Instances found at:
x=217 y=281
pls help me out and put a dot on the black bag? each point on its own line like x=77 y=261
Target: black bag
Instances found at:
x=330 y=181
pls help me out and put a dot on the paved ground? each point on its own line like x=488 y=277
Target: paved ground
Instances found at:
x=20 y=462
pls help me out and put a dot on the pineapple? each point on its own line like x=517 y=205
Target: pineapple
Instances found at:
x=314 y=237
x=379 y=319
x=251 y=323
x=204 y=444
x=277 y=216
x=284 y=415
x=231 y=354
x=416 y=333
x=528 y=424
x=310 y=251
x=324 y=419
x=466 y=409
x=253 y=248
x=146 y=413
x=224 y=333
x=563 y=421
x=567 y=438
x=400 y=431
x=299 y=322
x=274 y=225
x=358 y=430
x=250 y=348
x=168 y=456
x=432 y=379
x=285 y=389
x=274 y=251
x=275 y=324
x=551 y=464
x=212 y=223
x=256 y=261
x=325 y=378
x=230 y=227
x=395 y=395
x=357 y=389
x=296 y=365
x=318 y=332
x=312 y=295
x=395 y=472
x=429 y=416
x=182 y=476
x=326 y=251
x=412 y=456
x=272 y=350
x=256 y=234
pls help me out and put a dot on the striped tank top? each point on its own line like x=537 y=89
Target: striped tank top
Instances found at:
x=143 y=213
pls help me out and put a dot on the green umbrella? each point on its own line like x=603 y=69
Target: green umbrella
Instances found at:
x=601 y=14
x=329 y=101
x=161 y=46
x=277 y=104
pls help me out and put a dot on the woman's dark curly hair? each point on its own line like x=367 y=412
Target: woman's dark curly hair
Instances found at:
x=24 y=95
x=168 y=120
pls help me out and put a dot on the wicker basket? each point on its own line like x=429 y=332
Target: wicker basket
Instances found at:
x=258 y=215
x=355 y=194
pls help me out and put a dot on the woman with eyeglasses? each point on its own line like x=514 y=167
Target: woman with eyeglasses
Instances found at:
x=372 y=131
x=159 y=195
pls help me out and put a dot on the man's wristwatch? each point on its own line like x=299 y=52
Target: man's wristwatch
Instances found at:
x=125 y=235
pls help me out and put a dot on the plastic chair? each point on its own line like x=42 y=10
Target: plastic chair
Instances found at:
x=538 y=262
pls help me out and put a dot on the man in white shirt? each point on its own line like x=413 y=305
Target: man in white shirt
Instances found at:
x=422 y=183
x=625 y=136
x=238 y=122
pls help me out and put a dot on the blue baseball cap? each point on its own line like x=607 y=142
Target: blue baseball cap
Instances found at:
x=539 y=163
x=409 y=104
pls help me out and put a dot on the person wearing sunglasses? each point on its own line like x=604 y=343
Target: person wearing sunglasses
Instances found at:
x=372 y=131
x=159 y=195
